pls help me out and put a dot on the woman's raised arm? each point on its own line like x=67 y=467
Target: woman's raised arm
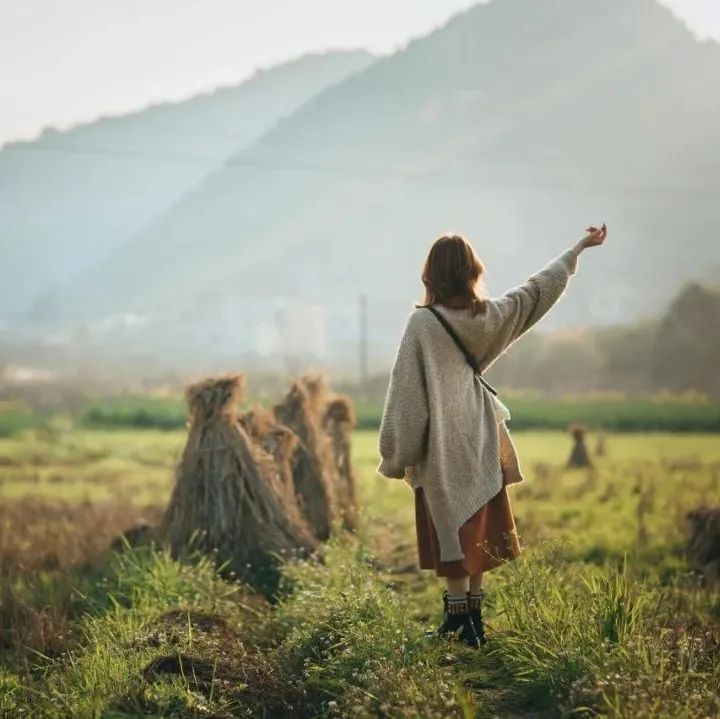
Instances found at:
x=515 y=312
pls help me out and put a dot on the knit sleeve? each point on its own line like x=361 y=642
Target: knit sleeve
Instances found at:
x=520 y=308
x=403 y=428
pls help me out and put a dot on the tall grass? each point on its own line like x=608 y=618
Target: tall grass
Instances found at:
x=111 y=639
x=356 y=648
x=587 y=623
x=566 y=638
x=602 y=641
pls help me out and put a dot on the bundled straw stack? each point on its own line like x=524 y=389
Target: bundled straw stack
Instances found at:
x=312 y=464
x=338 y=422
x=264 y=484
x=579 y=456
x=321 y=466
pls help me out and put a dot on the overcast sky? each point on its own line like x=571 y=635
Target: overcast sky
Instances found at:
x=64 y=61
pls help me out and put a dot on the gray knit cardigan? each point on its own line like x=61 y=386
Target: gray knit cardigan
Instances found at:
x=441 y=428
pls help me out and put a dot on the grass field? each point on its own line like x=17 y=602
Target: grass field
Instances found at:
x=599 y=617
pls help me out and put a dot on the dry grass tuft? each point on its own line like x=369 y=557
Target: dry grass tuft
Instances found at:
x=43 y=534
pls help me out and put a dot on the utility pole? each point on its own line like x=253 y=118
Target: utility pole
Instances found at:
x=363 y=346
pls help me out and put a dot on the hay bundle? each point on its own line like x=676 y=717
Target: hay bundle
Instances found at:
x=704 y=545
x=601 y=445
x=275 y=448
x=338 y=422
x=318 y=389
x=579 y=457
x=229 y=494
x=313 y=462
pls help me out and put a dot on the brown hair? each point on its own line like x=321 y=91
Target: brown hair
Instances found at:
x=452 y=274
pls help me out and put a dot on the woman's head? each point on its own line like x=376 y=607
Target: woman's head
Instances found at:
x=452 y=274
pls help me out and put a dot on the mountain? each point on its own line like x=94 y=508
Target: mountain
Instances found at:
x=517 y=124
x=68 y=198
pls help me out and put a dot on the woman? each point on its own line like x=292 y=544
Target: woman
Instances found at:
x=443 y=429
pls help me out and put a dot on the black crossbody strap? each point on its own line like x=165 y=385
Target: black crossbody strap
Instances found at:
x=469 y=358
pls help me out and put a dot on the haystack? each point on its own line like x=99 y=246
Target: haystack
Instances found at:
x=601 y=445
x=338 y=422
x=313 y=462
x=318 y=390
x=579 y=457
x=275 y=448
x=230 y=496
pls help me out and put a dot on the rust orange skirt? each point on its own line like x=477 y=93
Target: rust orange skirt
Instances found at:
x=487 y=539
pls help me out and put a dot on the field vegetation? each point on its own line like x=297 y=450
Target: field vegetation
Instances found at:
x=601 y=616
x=691 y=412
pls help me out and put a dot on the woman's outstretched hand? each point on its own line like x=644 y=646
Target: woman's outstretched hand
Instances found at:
x=595 y=236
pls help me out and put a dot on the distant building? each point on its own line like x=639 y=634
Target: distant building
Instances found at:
x=297 y=330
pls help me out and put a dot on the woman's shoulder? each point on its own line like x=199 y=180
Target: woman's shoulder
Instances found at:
x=450 y=313
x=419 y=317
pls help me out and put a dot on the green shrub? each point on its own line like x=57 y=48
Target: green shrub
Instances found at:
x=14 y=421
x=136 y=412
x=620 y=415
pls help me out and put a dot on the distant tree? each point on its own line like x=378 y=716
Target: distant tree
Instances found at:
x=627 y=354
x=687 y=345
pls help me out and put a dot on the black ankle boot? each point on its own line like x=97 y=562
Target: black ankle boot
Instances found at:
x=457 y=621
x=475 y=610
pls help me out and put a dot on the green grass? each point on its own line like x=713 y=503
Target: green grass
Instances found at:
x=14 y=420
x=143 y=412
x=598 y=617
x=621 y=414
x=136 y=412
x=616 y=414
x=529 y=411
x=90 y=465
x=112 y=637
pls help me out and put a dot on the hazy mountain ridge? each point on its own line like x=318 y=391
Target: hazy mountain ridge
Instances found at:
x=444 y=135
x=69 y=197
x=517 y=123
x=155 y=128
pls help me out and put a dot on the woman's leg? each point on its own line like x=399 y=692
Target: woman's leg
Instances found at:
x=475 y=583
x=457 y=586
x=475 y=600
x=456 y=612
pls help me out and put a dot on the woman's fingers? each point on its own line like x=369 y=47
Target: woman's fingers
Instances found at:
x=595 y=235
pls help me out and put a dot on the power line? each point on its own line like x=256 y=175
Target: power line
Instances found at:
x=387 y=171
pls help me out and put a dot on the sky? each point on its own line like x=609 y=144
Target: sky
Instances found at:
x=66 y=62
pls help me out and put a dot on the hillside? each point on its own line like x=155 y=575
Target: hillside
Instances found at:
x=517 y=123
x=68 y=198
x=677 y=352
